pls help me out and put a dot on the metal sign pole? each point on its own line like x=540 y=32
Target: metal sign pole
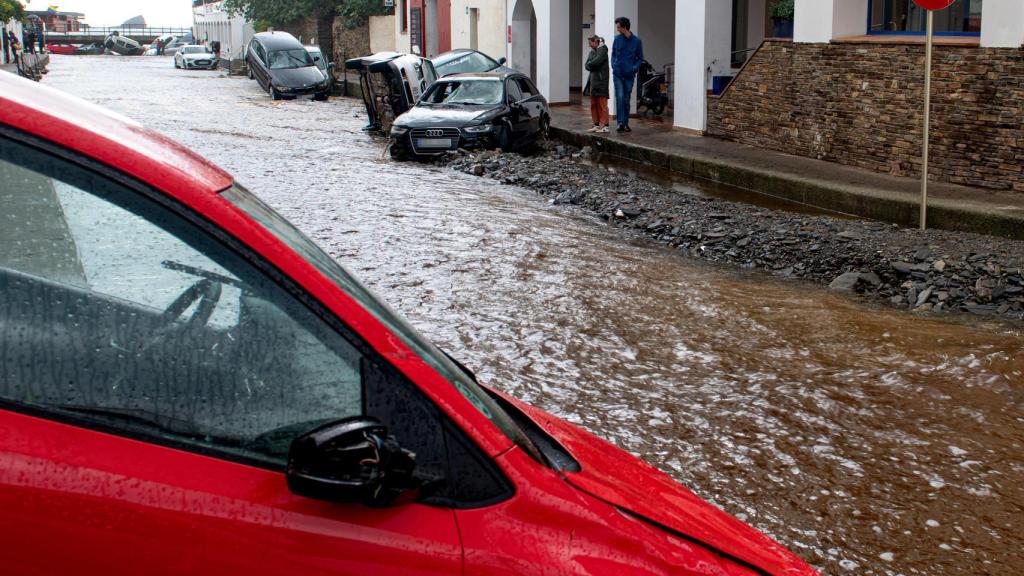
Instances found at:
x=927 y=118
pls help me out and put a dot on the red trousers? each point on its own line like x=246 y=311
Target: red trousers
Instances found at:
x=599 y=110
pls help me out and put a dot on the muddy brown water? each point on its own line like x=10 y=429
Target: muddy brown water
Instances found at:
x=869 y=441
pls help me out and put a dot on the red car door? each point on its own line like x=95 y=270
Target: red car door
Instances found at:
x=152 y=377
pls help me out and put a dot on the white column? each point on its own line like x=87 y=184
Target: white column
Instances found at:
x=605 y=13
x=818 y=21
x=553 y=49
x=1002 y=24
x=690 y=67
x=703 y=49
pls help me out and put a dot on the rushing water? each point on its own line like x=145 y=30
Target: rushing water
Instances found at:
x=869 y=441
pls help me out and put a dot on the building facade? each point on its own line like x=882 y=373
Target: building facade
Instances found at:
x=59 y=22
x=423 y=27
x=850 y=89
x=847 y=87
x=210 y=22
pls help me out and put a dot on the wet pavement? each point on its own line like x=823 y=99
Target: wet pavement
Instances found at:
x=869 y=441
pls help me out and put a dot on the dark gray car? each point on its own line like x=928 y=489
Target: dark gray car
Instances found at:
x=491 y=110
x=282 y=66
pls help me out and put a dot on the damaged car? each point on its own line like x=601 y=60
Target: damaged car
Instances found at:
x=490 y=110
x=122 y=45
x=391 y=84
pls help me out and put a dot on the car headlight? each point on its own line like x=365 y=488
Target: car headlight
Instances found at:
x=479 y=129
x=283 y=89
x=399 y=130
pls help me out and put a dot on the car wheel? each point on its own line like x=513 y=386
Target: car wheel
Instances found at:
x=274 y=94
x=250 y=73
x=503 y=139
x=322 y=96
x=398 y=152
x=545 y=130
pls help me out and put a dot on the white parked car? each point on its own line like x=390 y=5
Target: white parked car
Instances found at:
x=195 y=56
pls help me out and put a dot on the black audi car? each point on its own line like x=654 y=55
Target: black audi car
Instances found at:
x=491 y=110
x=284 y=68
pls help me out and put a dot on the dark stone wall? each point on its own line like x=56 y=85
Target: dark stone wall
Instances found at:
x=862 y=105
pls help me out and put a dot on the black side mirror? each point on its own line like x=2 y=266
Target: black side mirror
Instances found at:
x=501 y=61
x=351 y=460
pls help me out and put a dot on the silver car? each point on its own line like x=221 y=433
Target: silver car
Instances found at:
x=195 y=56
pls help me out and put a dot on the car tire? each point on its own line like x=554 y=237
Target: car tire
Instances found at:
x=545 y=130
x=322 y=97
x=503 y=139
x=274 y=94
x=251 y=77
x=398 y=152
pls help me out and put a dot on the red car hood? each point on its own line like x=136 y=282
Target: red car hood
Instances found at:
x=617 y=477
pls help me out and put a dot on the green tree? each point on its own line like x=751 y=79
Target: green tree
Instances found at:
x=11 y=9
x=281 y=12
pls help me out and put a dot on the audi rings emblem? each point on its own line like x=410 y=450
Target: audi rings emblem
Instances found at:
x=435 y=133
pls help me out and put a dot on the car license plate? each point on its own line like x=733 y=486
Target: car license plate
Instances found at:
x=434 y=143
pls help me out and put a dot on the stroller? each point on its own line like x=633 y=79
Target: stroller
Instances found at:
x=652 y=92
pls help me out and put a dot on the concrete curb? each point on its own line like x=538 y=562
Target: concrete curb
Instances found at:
x=867 y=203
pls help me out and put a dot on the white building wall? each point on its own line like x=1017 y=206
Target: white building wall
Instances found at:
x=402 y=39
x=1002 y=24
x=553 y=58
x=211 y=22
x=691 y=63
x=824 y=20
x=491 y=37
x=382 y=34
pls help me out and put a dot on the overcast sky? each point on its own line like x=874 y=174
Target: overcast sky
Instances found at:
x=171 y=13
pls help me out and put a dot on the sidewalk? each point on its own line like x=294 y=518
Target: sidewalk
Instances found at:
x=817 y=183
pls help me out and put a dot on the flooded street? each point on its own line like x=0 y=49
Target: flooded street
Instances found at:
x=869 y=441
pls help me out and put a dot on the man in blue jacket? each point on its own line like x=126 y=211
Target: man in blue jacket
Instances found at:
x=627 y=54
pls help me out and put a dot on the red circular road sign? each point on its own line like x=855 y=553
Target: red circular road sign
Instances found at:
x=934 y=4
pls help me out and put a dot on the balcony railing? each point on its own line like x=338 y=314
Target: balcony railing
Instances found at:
x=104 y=31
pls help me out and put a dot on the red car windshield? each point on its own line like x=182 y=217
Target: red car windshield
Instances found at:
x=428 y=352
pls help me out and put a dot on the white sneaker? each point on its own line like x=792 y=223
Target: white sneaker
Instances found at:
x=596 y=128
x=603 y=130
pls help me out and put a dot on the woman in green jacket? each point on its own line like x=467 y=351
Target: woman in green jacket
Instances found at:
x=597 y=83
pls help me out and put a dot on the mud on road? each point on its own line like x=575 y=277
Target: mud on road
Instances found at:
x=924 y=271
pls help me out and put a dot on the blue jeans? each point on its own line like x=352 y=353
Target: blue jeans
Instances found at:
x=623 y=94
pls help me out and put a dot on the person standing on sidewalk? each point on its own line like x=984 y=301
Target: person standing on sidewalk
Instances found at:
x=627 y=54
x=597 y=83
x=30 y=40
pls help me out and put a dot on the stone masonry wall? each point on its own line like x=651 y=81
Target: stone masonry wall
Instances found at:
x=862 y=105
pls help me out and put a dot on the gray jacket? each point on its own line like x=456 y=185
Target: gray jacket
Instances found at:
x=597 y=65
